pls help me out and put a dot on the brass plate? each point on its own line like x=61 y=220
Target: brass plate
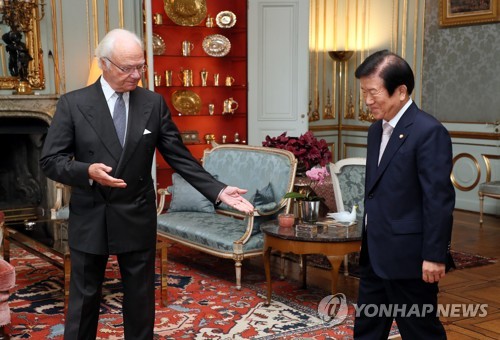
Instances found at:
x=158 y=44
x=216 y=45
x=225 y=19
x=186 y=12
x=186 y=102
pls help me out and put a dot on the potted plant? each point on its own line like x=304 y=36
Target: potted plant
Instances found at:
x=308 y=150
x=309 y=202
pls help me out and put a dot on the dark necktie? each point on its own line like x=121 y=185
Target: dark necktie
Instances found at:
x=119 y=117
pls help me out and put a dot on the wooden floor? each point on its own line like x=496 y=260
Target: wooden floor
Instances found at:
x=480 y=285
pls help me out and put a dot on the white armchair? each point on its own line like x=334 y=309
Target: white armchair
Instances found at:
x=491 y=187
x=488 y=189
x=348 y=179
x=60 y=210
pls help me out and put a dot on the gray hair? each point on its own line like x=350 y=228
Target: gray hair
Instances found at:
x=107 y=44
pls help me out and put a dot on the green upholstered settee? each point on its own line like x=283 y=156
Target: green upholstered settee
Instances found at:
x=267 y=174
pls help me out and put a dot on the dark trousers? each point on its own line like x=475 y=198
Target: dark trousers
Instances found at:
x=137 y=271
x=374 y=290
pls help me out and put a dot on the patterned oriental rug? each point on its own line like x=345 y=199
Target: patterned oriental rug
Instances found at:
x=203 y=303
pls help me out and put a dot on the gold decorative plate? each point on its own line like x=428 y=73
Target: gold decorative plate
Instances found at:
x=225 y=19
x=186 y=102
x=158 y=44
x=186 y=12
x=216 y=45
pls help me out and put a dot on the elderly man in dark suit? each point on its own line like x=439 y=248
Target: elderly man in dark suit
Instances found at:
x=409 y=201
x=101 y=142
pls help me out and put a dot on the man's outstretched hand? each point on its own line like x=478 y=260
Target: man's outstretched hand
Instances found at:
x=98 y=172
x=232 y=197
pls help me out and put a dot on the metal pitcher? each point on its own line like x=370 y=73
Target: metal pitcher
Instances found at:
x=230 y=105
x=186 y=77
x=229 y=81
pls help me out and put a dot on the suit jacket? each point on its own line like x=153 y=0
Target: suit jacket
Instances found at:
x=409 y=197
x=106 y=220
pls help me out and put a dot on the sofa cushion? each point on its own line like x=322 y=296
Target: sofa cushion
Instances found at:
x=264 y=199
x=62 y=214
x=214 y=231
x=251 y=169
x=186 y=198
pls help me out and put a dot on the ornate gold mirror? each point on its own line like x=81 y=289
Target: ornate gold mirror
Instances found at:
x=21 y=63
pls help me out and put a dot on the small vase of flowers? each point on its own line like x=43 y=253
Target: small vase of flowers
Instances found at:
x=309 y=202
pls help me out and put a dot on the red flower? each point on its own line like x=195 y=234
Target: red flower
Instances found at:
x=308 y=150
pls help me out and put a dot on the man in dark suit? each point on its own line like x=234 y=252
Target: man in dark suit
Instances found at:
x=113 y=199
x=409 y=201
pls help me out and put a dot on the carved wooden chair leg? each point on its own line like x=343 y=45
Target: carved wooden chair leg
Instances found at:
x=346 y=265
x=282 y=266
x=303 y=269
x=237 y=266
x=67 y=277
x=161 y=247
x=481 y=205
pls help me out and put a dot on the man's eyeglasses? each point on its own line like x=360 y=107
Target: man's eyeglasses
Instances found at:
x=129 y=70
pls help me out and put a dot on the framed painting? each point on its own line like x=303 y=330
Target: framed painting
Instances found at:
x=468 y=12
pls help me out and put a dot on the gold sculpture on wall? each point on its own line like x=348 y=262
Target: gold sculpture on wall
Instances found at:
x=314 y=115
x=328 y=111
x=25 y=57
x=365 y=115
x=350 y=114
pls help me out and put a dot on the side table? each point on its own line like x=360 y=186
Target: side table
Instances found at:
x=333 y=242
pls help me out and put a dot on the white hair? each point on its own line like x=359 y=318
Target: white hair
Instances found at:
x=107 y=44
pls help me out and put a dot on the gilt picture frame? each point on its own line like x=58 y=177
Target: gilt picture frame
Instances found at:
x=468 y=12
x=36 y=77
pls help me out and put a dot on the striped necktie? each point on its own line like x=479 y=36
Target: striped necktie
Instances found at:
x=120 y=117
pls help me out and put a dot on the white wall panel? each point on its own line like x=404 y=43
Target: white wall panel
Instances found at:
x=278 y=35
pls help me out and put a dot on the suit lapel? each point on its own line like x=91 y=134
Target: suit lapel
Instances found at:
x=98 y=115
x=138 y=116
x=374 y=138
x=398 y=137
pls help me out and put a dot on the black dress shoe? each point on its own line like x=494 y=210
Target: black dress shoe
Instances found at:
x=3 y=334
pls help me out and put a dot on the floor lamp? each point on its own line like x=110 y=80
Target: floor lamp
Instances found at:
x=341 y=57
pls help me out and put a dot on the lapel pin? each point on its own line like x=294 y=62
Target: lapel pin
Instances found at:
x=401 y=136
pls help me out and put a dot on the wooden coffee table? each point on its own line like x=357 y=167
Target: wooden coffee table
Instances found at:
x=333 y=242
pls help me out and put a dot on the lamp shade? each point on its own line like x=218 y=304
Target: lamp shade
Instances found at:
x=95 y=72
x=340 y=55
